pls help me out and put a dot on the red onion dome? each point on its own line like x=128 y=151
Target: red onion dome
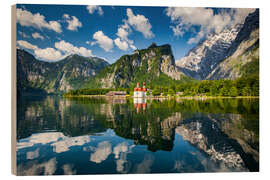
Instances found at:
x=143 y=83
x=135 y=89
x=144 y=89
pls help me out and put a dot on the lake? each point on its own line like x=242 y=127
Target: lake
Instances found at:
x=58 y=135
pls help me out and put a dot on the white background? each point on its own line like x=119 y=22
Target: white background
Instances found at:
x=5 y=86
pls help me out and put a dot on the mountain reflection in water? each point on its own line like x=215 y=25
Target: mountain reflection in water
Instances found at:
x=106 y=135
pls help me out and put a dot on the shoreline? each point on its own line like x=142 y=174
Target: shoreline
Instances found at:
x=167 y=97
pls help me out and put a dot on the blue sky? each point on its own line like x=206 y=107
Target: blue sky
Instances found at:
x=51 y=32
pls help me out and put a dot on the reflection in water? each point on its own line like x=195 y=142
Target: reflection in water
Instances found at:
x=140 y=103
x=35 y=168
x=101 y=153
x=145 y=165
x=96 y=136
x=57 y=140
x=68 y=169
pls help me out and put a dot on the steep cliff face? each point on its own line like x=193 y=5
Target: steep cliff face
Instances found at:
x=204 y=57
x=154 y=65
x=229 y=55
x=243 y=54
x=69 y=73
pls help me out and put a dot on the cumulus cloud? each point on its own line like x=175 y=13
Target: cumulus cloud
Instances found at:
x=123 y=32
x=102 y=152
x=140 y=23
x=32 y=154
x=205 y=19
x=134 y=22
x=61 y=50
x=120 y=148
x=69 y=169
x=24 y=35
x=65 y=143
x=92 y=8
x=132 y=47
x=26 y=45
x=123 y=45
x=145 y=165
x=104 y=41
x=26 y=18
x=36 y=168
x=73 y=22
x=68 y=48
x=123 y=42
x=36 y=35
x=48 y=54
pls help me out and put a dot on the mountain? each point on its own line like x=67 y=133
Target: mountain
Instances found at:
x=206 y=55
x=227 y=55
x=243 y=57
x=154 y=65
x=50 y=77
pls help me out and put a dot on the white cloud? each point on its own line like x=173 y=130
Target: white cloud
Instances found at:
x=68 y=48
x=177 y=30
x=123 y=32
x=132 y=47
x=205 y=19
x=66 y=16
x=85 y=52
x=102 y=152
x=24 y=35
x=64 y=46
x=37 y=168
x=69 y=169
x=39 y=138
x=73 y=22
x=26 y=45
x=92 y=8
x=197 y=38
x=145 y=165
x=48 y=54
x=104 y=41
x=55 y=54
x=120 y=148
x=36 y=35
x=32 y=154
x=65 y=143
x=123 y=45
x=123 y=42
x=88 y=42
x=140 y=23
x=26 y=18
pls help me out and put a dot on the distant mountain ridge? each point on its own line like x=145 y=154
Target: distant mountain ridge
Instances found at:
x=206 y=55
x=243 y=55
x=153 y=65
x=50 y=77
x=212 y=58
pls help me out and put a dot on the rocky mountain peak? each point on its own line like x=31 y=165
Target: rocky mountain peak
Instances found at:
x=67 y=74
x=202 y=62
x=243 y=55
x=206 y=55
x=148 y=64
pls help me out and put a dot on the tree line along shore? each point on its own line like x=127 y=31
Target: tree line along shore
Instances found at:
x=241 y=87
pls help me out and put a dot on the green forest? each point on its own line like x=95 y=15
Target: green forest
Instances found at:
x=244 y=86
